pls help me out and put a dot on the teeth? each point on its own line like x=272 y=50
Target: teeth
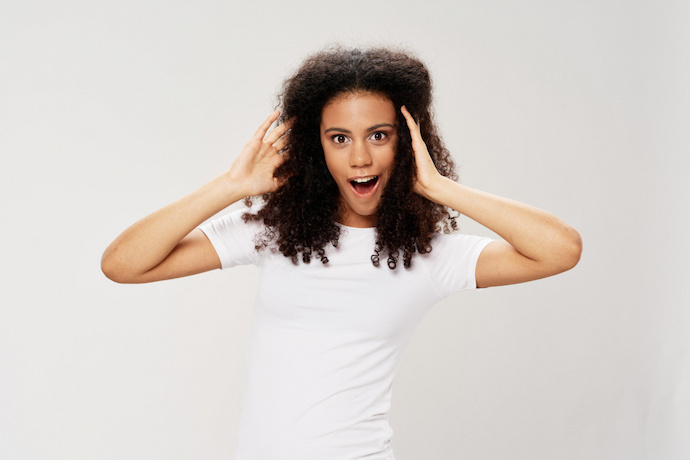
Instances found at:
x=361 y=180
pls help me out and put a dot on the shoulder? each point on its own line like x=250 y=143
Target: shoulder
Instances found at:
x=234 y=221
x=441 y=243
x=453 y=260
x=234 y=238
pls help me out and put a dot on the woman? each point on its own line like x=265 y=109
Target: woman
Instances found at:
x=354 y=174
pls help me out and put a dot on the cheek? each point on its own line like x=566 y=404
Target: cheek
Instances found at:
x=389 y=160
x=330 y=164
x=330 y=171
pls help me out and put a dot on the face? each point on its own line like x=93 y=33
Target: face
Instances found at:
x=359 y=138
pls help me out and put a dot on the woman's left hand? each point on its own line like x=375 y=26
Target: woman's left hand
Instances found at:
x=537 y=244
x=428 y=177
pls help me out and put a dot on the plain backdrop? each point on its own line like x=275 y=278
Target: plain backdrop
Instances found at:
x=110 y=110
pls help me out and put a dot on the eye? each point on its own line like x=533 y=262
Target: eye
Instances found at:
x=378 y=136
x=339 y=138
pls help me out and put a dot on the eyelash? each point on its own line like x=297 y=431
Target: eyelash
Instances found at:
x=335 y=137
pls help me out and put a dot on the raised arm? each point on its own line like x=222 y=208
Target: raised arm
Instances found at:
x=535 y=244
x=167 y=244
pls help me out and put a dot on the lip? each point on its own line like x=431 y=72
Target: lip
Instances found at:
x=371 y=192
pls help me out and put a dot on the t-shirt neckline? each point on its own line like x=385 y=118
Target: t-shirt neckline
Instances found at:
x=357 y=229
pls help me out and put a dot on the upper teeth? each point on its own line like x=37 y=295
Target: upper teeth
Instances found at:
x=359 y=180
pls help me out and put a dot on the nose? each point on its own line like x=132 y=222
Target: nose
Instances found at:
x=359 y=155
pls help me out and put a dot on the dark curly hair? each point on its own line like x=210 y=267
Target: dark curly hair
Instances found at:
x=300 y=217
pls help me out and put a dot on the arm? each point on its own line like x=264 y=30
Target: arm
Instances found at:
x=167 y=244
x=535 y=243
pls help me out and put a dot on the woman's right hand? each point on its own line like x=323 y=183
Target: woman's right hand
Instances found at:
x=252 y=171
x=166 y=244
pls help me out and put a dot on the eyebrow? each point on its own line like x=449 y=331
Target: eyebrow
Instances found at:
x=372 y=128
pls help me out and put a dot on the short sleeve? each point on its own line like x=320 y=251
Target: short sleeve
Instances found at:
x=452 y=262
x=233 y=239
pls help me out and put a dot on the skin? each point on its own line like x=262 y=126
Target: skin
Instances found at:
x=535 y=244
x=358 y=135
x=167 y=244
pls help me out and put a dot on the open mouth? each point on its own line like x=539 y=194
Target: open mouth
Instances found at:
x=364 y=185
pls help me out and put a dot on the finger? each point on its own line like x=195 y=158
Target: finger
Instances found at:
x=408 y=117
x=411 y=123
x=263 y=129
x=279 y=131
x=415 y=132
x=281 y=143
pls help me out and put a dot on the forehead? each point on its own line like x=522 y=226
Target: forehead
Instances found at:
x=358 y=107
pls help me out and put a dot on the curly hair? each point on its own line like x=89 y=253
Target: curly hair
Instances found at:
x=301 y=216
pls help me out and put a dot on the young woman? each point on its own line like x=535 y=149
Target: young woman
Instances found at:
x=355 y=175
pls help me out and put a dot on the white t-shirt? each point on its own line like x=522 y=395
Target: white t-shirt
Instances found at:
x=327 y=339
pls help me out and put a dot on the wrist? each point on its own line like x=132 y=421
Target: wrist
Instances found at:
x=227 y=190
x=435 y=190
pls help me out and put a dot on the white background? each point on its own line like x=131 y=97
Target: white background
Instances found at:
x=110 y=110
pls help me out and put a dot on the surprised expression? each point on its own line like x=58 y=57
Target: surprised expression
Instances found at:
x=359 y=138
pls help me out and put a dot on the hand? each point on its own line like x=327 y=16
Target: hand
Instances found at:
x=253 y=169
x=427 y=174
